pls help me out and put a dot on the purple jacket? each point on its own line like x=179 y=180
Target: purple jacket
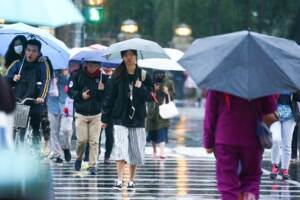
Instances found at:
x=234 y=121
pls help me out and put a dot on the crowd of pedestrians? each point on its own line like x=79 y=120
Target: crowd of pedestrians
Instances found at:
x=85 y=102
x=124 y=103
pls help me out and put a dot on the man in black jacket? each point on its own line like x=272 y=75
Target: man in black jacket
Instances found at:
x=30 y=79
x=87 y=90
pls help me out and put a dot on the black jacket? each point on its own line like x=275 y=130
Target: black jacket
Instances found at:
x=7 y=99
x=34 y=81
x=294 y=106
x=117 y=104
x=80 y=83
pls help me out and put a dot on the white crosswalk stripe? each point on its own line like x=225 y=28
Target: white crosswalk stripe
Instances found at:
x=177 y=177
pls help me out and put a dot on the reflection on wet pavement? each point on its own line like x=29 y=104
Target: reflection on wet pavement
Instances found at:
x=177 y=177
x=187 y=173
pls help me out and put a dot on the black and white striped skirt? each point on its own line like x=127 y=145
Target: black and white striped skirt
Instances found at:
x=129 y=144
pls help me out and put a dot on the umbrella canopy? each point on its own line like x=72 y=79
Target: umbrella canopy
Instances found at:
x=43 y=13
x=98 y=46
x=160 y=64
x=244 y=64
x=92 y=54
x=145 y=49
x=55 y=49
x=174 y=54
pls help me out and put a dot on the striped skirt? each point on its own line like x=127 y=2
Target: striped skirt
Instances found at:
x=129 y=144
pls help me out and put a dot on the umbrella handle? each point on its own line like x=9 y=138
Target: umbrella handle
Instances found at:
x=100 y=76
x=101 y=130
x=21 y=66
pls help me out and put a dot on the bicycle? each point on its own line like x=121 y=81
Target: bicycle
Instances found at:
x=21 y=121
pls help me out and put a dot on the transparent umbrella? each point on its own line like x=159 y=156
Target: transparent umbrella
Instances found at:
x=55 y=49
x=145 y=49
x=160 y=64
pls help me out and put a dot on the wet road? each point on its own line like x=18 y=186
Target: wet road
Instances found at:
x=187 y=173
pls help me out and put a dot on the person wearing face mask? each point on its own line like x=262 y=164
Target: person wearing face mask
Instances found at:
x=30 y=79
x=15 y=53
x=16 y=50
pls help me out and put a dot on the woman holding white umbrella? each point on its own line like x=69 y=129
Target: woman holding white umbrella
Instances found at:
x=124 y=104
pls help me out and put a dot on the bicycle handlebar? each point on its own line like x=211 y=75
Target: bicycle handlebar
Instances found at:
x=26 y=99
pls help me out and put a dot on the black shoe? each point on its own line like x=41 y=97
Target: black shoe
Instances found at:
x=67 y=154
x=58 y=160
x=93 y=171
x=78 y=165
x=118 y=185
x=106 y=161
x=131 y=186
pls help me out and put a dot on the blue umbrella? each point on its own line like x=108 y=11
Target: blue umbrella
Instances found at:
x=245 y=64
x=51 y=13
x=96 y=55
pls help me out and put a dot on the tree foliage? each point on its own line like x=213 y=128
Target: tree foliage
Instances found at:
x=158 y=18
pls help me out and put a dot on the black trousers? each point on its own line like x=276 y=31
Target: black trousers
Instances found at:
x=295 y=142
x=109 y=140
x=45 y=123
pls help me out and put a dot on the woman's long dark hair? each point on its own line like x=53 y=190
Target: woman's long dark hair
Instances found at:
x=11 y=55
x=121 y=71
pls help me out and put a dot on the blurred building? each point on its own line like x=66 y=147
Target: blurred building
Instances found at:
x=73 y=35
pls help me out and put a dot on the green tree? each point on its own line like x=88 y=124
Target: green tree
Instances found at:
x=158 y=18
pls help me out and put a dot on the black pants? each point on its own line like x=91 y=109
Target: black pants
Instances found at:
x=295 y=144
x=109 y=140
x=45 y=123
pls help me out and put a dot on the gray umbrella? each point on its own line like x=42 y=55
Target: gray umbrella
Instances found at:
x=245 y=64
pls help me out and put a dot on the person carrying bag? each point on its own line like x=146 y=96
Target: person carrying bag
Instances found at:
x=159 y=113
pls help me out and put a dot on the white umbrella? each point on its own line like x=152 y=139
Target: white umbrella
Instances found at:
x=55 y=49
x=145 y=49
x=98 y=46
x=74 y=51
x=163 y=63
x=160 y=64
x=51 y=13
x=174 y=54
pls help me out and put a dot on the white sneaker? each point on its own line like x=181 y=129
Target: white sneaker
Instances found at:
x=131 y=186
x=118 y=185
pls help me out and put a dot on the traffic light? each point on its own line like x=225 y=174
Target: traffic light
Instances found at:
x=93 y=11
x=94 y=15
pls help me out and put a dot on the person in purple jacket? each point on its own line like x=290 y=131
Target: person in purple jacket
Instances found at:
x=230 y=132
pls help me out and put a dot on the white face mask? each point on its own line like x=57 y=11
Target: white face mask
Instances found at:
x=18 y=49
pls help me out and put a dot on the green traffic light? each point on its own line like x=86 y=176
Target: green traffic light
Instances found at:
x=94 y=15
